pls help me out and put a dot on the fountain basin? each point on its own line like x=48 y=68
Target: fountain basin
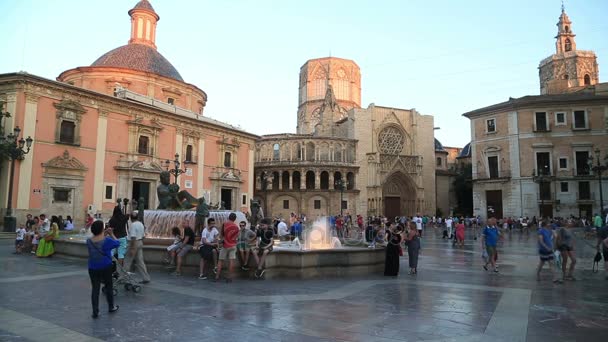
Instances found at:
x=281 y=262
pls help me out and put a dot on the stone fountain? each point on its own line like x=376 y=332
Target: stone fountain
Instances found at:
x=320 y=254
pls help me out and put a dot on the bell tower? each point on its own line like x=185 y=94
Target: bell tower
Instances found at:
x=336 y=79
x=143 y=24
x=568 y=69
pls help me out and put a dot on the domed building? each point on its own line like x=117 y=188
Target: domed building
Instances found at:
x=105 y=132
x=344 y=158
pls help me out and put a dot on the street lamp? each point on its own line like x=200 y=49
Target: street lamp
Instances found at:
x=342 y=184
x=175 y=171
x=598 y=168
x=541 y=176
x=16 y=149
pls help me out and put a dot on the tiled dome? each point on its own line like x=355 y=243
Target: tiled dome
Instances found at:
x=466 y=151
x=438 y=146
x=139 y=57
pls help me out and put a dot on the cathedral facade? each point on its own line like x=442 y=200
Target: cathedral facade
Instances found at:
x=344 y=158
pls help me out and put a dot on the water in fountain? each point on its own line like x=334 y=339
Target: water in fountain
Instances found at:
x=159 y=222
x=319 y=236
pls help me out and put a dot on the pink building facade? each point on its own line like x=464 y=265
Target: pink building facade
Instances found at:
x=105 y=132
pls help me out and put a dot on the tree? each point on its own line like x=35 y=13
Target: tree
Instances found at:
x=463 y=187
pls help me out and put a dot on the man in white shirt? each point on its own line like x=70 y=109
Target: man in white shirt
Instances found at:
x=283 y=230
x=208 y=247
x=448 y=227
x=418 y=221
x=136 y=252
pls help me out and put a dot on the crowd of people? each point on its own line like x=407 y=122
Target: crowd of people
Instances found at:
x=121 y=239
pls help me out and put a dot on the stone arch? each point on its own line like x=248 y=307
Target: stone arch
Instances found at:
x=324 y=180
x=310 y=180
x=279 y=205
x=310 y=151
x=297 y=151
x=286 y=151
x=337 y=178
x=285 y=180
x=338 y=152
x=399 y=195
x=275 y=180
x=296 y=180
x=276 y=151
x=587 y=79
x=324 y=151
x=350 y=179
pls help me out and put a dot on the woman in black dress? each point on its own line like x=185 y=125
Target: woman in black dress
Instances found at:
x=391 y=263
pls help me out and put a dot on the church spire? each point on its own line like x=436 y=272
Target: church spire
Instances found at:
x=143 y=24
x=565 y=38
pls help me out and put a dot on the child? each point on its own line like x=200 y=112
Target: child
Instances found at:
x=19 y=240
x=177 y=243
x=35 y=238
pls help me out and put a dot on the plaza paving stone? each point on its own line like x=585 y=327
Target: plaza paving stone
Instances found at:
x=451 y=299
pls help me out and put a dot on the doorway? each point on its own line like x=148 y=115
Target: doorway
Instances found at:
x=585 y=210
x=494 y=203
x=227 y=198
x=392 y=207
x=142 y=189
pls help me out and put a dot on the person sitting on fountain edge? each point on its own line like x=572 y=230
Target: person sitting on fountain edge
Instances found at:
x=266 y=234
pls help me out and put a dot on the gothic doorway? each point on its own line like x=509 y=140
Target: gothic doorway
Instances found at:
x=399 y=196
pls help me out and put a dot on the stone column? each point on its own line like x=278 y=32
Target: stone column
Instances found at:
x=100 y=158
x=302 y=180
x=24 y=168
x=280 y=180
x=290 y=180
x=317 y=180
x=331 y=180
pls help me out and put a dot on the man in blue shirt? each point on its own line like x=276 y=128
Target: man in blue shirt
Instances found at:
x=489 y=240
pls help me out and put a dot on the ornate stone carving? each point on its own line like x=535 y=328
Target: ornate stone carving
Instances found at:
x=65 y=162
x=390 y=141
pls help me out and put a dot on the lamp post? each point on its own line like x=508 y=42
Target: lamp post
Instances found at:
x=598 y=168
x=342 y=184
x=16 y=149
x=175 y=171
x=541 y=176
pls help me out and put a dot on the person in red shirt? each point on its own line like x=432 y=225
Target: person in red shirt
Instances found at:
x=340 y=226
x=229 y=235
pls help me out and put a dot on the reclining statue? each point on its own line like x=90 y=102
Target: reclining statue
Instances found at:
x=169 y=196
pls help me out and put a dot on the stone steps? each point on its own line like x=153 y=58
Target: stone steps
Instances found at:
x=7 y=235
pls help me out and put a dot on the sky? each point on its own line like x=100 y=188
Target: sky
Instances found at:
x=441 y=57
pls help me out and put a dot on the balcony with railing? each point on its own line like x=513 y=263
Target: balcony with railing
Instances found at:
x=493 y=175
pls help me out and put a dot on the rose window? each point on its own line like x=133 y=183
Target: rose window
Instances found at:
x=390 y=141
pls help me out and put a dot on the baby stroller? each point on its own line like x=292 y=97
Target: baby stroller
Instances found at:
x=122 y=277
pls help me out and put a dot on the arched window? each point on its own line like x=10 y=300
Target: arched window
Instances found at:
x=227 y=159
x=143 y=146
x=439 y=161
x=66 y=134
x=587 y=79
x=296 y=180
x=350 y=178
x=566 y=76
x=276 y=152
x=567 y=29
x=324 y=180
x=568 y=45
x=298 y=151
x=275 y=181
x=189 y=153
x=310 y=180
x=285 y=180
x=310 y=151
x=337 y=180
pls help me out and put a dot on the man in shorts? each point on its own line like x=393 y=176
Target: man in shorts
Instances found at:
x=489 y=241
x=208 y=247
x=545 y=250
x=602 y=235
x=266 y=235
x=246 y=236
x=186 y=246
x=229 y=235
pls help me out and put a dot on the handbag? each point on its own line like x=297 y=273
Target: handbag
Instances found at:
x=596 y=262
